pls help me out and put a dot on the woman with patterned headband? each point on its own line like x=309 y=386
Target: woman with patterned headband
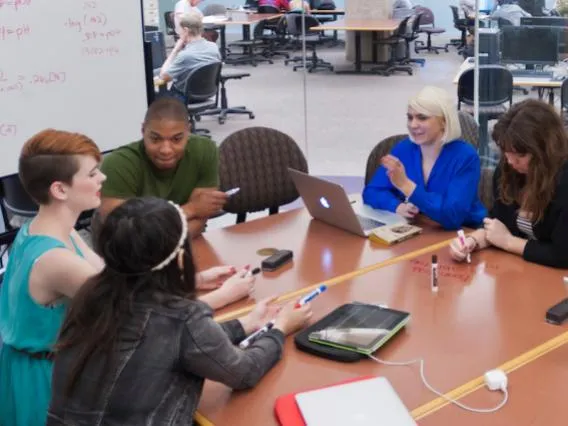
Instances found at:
x=136 y=345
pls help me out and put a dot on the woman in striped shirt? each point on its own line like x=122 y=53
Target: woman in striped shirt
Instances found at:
x=530 y=186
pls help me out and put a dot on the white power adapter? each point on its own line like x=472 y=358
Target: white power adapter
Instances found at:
x=496 y=380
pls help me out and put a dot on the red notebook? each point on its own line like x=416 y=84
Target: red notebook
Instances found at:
x=287 y=411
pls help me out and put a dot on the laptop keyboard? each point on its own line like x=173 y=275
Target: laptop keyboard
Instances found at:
x=367 y=223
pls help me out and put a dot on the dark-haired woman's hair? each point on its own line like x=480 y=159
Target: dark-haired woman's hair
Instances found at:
x=135 y=237
x=531 y=127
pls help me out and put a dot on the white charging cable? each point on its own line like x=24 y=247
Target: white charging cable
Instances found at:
x=494 y=380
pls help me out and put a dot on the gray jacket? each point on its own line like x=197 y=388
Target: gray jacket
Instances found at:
x=167 y=350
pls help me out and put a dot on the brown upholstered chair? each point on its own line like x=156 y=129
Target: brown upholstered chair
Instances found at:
x=486 y=187
x=379 y=151
x=257 y=160
x=469 y=128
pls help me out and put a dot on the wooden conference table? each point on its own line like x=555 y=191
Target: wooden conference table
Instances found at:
x=321 y=252
x=537 y=397
x=485 y=313
x=358 y=26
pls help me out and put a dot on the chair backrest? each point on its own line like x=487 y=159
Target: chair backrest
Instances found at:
x=485 y=189
x=401 y=30
x=427 y=17
x=203 y=82
x=291 y=26
x=268 y=9
x=309 y=21
x=256 y=160
x=170 y=23
x=16 y=199
x=564 y=95
x=378 y=152
x=503 y=22
x=214 y=9
x=415 y=19
x=495 y=86
x=469 y=128
x=251 y=4
x=455 y=14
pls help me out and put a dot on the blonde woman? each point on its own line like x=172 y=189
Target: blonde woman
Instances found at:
x=433 y=171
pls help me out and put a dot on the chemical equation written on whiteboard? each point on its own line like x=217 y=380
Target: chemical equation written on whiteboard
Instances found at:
x=17 y=32
x=7 y=130
x=92 y=28
x=18 y=83
x=14 y=4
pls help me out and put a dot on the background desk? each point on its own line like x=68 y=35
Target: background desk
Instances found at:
x=321 y=251
x=537 y=397
x=358 y=26
x=484 y=314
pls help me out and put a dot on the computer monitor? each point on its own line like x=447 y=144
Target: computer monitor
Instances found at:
x=545 y=21
x=156 y=40
x=529 y=45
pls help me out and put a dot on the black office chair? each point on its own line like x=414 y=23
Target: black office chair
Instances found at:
x=394 y=63
x=460 y=24
x=170 y=25
x=428 y=27
x=253 y=50
x=409 y=37
x=201 y=87
x=495 y=97
x=311 y=38
x=223 y=110
x=18 y=207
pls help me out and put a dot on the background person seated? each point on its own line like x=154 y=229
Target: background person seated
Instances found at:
x=282 y=5
x=168 y=163
x=190 y=51
x=509 y=10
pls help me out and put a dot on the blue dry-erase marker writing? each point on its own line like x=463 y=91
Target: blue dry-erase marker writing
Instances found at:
x=310 y=296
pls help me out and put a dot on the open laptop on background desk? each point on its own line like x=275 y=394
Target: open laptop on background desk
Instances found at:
x=328 y=202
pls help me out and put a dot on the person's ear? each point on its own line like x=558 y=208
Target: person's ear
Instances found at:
x=142 y=129
x=59 y=191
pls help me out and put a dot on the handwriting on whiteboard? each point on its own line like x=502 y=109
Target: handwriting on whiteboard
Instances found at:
x=14 y=33
x=18 y=83
x=14 y=4
x=7 y=130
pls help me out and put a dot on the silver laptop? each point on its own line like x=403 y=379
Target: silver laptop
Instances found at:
x=328 y=202
x=361 y=403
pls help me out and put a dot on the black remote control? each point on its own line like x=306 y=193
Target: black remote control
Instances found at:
x=276 y=260
x=558 y=313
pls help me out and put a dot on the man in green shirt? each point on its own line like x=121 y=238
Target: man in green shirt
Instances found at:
x=168 y=163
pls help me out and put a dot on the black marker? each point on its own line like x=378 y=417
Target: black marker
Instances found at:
x=434 y=273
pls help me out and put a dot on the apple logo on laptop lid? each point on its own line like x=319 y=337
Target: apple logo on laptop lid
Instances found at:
x=324 y=203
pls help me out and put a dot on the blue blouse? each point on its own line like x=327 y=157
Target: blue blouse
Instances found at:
x=449 y=197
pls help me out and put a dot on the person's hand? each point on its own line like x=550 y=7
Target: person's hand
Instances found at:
x=263 y=312
x=496 y=233
x=180 y=44
x=395 y=171
x=290 y=318
x=459 y=252
x=407 y=210
x=240 y=285
x=205 y=202
x=213 y=278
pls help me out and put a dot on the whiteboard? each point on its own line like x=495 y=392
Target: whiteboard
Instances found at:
x=72 y=65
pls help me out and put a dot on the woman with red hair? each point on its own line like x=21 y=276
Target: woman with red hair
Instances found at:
x=48 y=263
